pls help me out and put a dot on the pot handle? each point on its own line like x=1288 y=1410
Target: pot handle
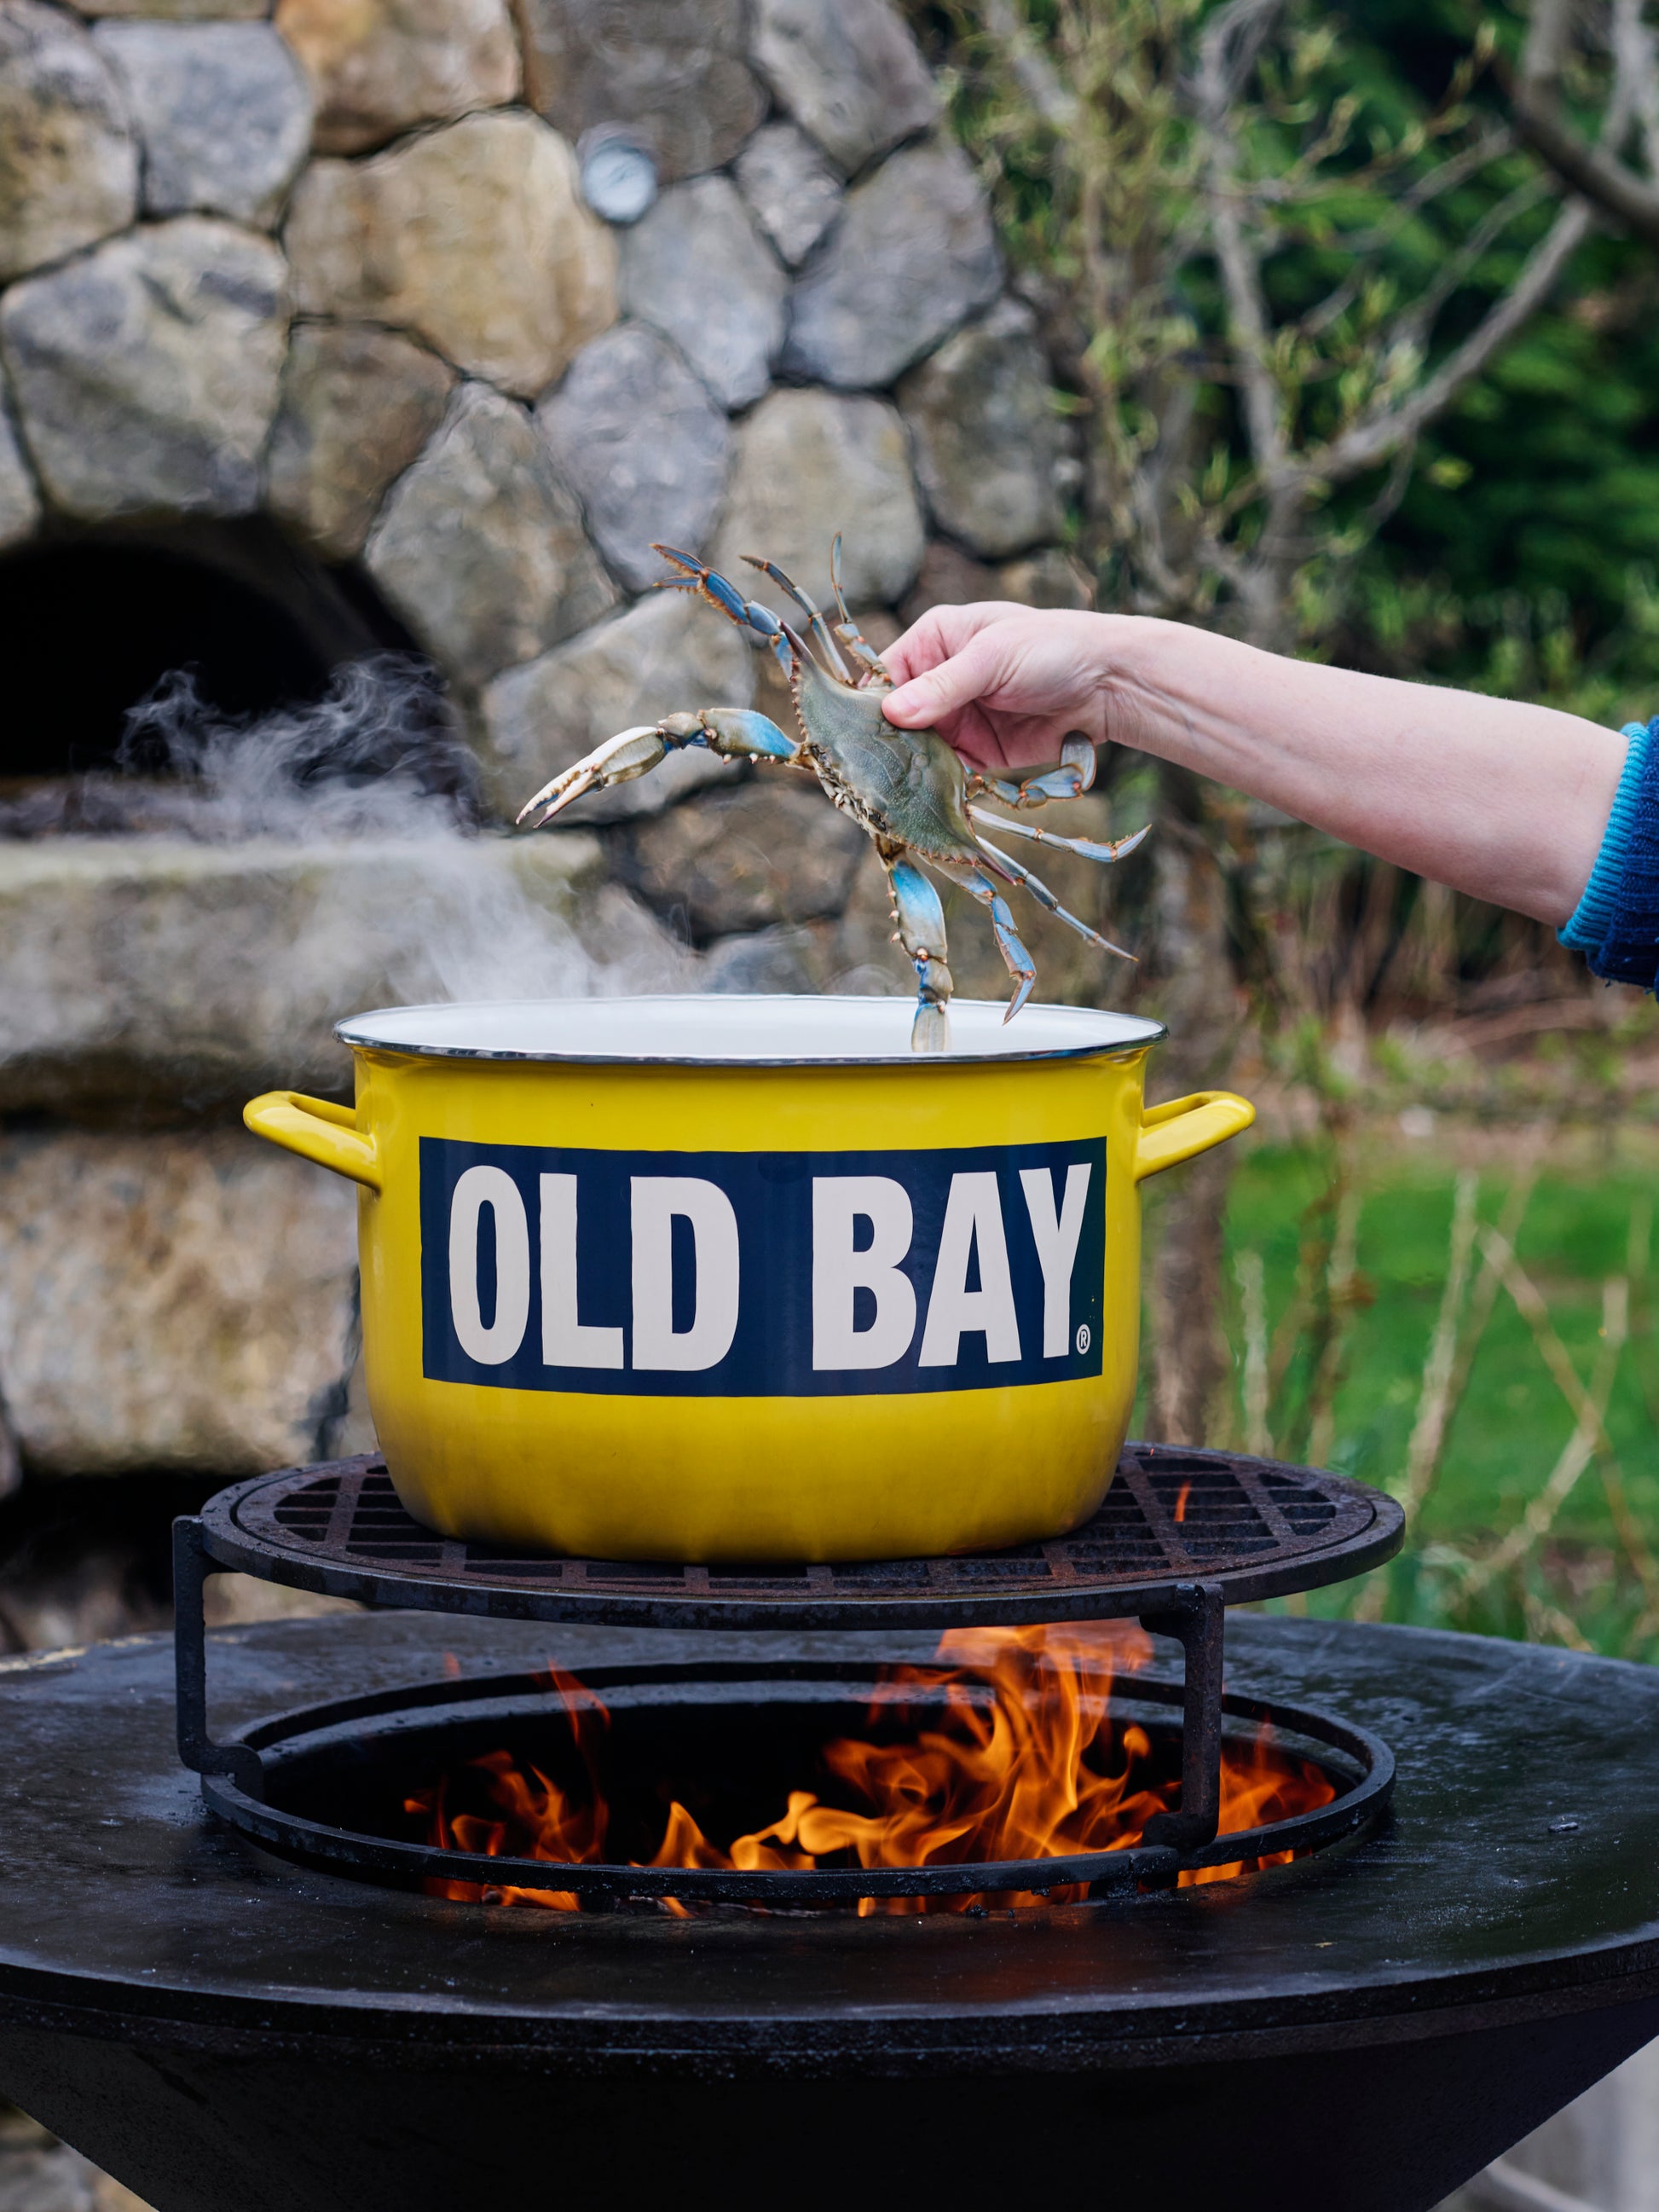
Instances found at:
x=316 y=1130
x=1182 y=1128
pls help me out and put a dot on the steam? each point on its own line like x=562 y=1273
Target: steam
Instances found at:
x=379 y=755
x=418 y=900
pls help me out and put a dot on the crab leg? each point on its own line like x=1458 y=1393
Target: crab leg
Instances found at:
x=733 y=732
x=1085 y=846
x=846 y=630
x=1018 y=960
x=747 y=614
x=1041 y=893
x=921 y=920
x=1074 y=775
x=815 y=621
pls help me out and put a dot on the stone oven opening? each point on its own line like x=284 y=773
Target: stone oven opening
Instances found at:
x=89 y=630
x=90 y=626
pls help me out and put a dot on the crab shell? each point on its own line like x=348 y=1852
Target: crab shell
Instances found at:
x=906 y=787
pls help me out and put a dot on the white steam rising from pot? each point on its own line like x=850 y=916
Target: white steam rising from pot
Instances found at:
x=378 y=755
x=193 y=927
x=455 y=909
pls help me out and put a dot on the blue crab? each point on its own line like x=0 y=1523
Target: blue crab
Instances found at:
x=908 y=789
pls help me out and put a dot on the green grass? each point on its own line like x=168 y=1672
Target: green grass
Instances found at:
x=1588 y=1221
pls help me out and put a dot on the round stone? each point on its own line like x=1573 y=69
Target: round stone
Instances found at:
x=380 y=67
x=673 y=75
x=913 y=255
x=642 y=444
x=480 y=546
x=987 y=438
x=699 y=269
x=474 y=236
x=809 y=464
x=146 y=372
x=68 y=168
x=358 y=405
x=223 y=111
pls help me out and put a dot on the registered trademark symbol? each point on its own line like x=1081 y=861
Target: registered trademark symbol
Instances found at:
x=1084 y=1338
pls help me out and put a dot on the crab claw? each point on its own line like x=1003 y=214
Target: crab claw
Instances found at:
x=617 y=761
x=1074 y=775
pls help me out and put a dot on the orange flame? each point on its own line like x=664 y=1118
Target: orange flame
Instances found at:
x=1018 y=1758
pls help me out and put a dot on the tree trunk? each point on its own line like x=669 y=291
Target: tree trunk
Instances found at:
x=1191 y=985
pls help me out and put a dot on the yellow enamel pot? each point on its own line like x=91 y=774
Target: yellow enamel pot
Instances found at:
x=744 y=1278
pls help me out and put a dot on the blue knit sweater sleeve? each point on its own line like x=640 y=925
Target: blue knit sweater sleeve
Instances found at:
x=1616 y=923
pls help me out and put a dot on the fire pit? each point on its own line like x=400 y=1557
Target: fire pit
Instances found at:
x=216 y=2021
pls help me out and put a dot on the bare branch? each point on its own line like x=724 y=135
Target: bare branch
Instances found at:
x=1380 y=436
x=1596 y=171
x=1149 y=488
x=1377 y=438
x=1031 y=67
x=1435 y=1401
x=1544 y=56
x=1617 y=190
x=1590 y=1406
x=1152 y=109
x=1368 y=245
x=1227 y=55
x=1232 y=42
x=1415 y=326
x=1636 y=60
x=1395 y=487
x=1253 y=1294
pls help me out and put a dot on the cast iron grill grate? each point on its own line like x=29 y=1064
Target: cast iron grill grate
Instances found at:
x=1181 y=1535
x=1256 y=1527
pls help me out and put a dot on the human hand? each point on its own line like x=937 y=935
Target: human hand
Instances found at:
x=1004 y=685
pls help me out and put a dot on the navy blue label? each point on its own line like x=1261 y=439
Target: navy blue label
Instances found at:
x=761 y=1274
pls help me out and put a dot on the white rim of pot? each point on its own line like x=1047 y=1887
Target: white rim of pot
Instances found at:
x=483 y=1029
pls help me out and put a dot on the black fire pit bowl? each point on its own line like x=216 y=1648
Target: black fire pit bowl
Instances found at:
x=226 y=2031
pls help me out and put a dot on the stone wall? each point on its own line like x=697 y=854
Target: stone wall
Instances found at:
x=341 y=268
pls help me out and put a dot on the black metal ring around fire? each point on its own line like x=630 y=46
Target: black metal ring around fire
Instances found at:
x=1367 y=1782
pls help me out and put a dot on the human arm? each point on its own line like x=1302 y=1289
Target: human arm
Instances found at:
x=1504 y=800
